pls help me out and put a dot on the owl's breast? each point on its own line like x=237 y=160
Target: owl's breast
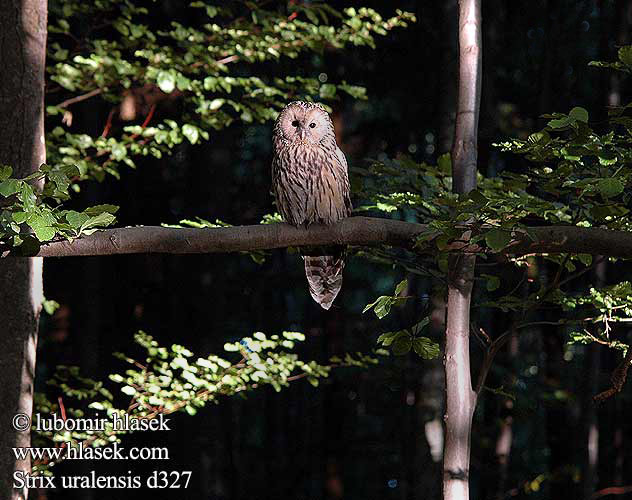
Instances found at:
x=310 y=184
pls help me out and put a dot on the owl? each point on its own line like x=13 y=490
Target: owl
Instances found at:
x=311 y=186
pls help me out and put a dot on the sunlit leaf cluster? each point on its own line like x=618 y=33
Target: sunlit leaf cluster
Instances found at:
x=30 y=210
x=401 y=342
x=170 y=379
x=203 y=62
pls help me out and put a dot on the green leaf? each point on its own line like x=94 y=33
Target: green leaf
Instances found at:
x=9 y=187
x=191 y=133
x=130 y=391
x=418 y=327
x=497 y=239
x=386 y=339
x=166 y=81
x=76 y=219
x=44 y=233
x=610 y=187
x=19 y=217
x=585 y=259
x=371 y=305
x=216 y=104
x=579 y=114
x=327 y=91
x=402 y=345
x=5 y=172
x=625 y=55
x=50 y=306
x=426 y=348
x=491 y=282
x=559 y=123
x=444 y=162
x=42 y=227
x=101 y=220
x=99 y=209
x=541 y=138
x=607 y=160
x=354 y=91
x=27 y=196
x=119 y=151
x=402 y=285
x=383 y=307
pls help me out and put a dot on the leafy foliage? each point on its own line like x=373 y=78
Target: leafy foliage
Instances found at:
x=171 y=379
x=382 y=305
x=30 y=216
x=402 y=341
x=577 y=173
x=204 y=61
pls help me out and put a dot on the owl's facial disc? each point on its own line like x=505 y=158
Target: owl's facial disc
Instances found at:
x=306 y=126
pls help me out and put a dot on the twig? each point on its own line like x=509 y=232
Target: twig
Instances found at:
x=228 y=59
x=108 y=124
x=498 y=343
x=612 y=490
x=146 y=121
x=62 y=408
x=79 y=98
x=597 y=339
x=489 y=358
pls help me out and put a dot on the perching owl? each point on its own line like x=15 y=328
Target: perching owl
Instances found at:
x=311 y=186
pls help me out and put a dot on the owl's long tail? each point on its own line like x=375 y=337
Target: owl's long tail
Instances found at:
x=324 y=275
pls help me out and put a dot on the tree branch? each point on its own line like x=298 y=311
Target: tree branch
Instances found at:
x=79 y=98
x=353 y=231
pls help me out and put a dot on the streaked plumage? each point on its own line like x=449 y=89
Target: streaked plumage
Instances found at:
x=311 y=186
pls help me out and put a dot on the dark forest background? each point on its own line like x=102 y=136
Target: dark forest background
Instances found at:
x=364 y=434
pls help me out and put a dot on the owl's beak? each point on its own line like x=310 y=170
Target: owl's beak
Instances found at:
x=301 y=133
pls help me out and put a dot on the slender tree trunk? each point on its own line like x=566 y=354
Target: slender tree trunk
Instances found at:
x=22 y=52
x=460 y=398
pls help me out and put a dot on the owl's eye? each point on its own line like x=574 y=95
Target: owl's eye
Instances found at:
x=312 y=125
x=295 y=123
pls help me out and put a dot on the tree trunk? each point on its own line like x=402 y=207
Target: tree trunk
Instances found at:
x=460 y=398
x=22 y=52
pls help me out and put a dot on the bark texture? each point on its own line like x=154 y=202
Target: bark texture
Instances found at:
x=460 y=398
x=351 y=231
x=22 y=52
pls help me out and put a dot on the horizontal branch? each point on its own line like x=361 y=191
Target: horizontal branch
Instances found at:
x=79 y=98
x=352 y=231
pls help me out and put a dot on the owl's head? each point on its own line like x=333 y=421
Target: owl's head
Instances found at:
x=304 y=122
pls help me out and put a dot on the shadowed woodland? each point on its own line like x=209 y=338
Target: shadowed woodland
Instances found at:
x=375 y=430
